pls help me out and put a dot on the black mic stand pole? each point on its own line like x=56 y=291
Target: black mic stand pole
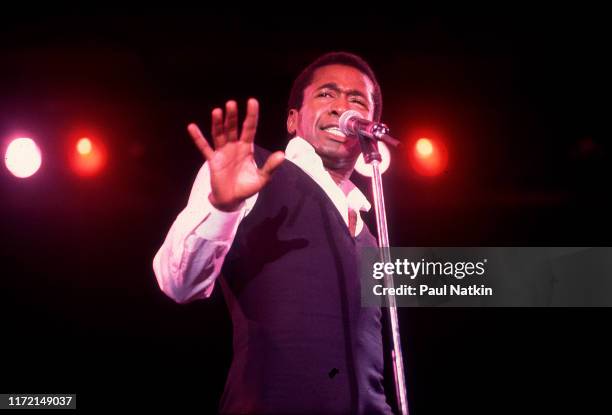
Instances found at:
x=371 y=156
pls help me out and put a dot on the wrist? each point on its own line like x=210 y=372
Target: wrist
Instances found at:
x=224 y=207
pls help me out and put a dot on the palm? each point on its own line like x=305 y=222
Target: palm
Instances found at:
x=234 y=175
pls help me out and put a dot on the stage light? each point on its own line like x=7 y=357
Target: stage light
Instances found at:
x=84 y=146
x=424 y=147
x=88 y=156
x=23 y=157
x=366 y=169
x=428 y=157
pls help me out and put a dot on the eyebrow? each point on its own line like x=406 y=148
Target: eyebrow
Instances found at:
x=333 y=86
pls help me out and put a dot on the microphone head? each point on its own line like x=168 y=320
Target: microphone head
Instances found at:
x=344 y=124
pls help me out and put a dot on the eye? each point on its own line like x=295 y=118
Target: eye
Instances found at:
x=360 y=102
x=324 y=94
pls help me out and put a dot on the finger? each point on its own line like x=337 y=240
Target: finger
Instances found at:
x=200 y=141
x=231 y=121
x=273 y=162
x=250 y=121
x=217 y=130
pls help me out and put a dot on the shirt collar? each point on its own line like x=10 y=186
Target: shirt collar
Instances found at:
x=302 y=153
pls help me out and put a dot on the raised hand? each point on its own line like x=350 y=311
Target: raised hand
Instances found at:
x=234 y=176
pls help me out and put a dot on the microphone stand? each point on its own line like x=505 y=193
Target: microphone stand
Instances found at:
x=371 y=156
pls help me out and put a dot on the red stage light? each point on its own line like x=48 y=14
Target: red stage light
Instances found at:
x=428 y=157
x=424 y=147
x=88 y=156
x=84 y=146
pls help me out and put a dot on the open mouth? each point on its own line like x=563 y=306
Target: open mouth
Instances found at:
x=335 y=131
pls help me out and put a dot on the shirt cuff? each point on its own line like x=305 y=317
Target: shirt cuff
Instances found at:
x=220 y=225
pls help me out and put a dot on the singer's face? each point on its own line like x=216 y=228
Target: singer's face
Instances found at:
x=334 y=89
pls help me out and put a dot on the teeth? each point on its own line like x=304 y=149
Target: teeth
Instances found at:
x=335 y=131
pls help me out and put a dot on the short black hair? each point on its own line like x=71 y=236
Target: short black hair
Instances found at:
x=296 y=97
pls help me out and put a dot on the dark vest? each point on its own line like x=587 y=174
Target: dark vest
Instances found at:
x=302 y=341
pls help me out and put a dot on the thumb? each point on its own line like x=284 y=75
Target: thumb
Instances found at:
x=273 y=162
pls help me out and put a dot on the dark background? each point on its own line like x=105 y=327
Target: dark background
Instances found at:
x=520 y=98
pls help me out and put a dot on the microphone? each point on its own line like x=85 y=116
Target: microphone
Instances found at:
x=352 y=123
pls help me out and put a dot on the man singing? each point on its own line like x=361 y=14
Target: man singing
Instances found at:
x=281 y=233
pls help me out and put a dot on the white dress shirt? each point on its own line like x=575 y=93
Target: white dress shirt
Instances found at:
x=190 y=259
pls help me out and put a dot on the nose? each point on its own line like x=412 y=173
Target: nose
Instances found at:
x=338 y=106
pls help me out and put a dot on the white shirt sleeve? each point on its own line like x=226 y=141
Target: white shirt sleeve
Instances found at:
x=190 y=259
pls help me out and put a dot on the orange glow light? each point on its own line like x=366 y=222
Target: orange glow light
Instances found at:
x=88 y=156
x=428 y=156
x=84 y=146
x=424 y=147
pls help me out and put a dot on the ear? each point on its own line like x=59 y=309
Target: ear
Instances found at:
x=292 y=121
